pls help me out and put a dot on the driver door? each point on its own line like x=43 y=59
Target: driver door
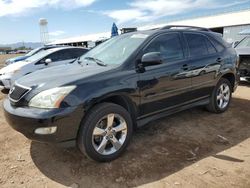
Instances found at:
x=166 y=85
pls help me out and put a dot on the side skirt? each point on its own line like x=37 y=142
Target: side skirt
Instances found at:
x=173 y=110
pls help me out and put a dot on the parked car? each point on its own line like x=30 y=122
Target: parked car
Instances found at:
x=122 y=84
x=41 y=60
x=31 y=53
x=243 y=50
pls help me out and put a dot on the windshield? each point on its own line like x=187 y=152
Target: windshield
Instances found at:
x=32 y=52
x=245 y=43
x=40 y=55
x=116 y=50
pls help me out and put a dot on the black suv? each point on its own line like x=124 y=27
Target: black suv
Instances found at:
x=125 y=82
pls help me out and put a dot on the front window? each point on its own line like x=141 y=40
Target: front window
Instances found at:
x=245 y=43
x=32 y=52
x=169 y=45
x=40 y=55
x=116 y=50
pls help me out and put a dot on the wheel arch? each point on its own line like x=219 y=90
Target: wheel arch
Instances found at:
x=119 y=99
x=231 y=78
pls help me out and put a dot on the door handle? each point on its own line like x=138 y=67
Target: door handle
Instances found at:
x=219 y=60
x=185 y=67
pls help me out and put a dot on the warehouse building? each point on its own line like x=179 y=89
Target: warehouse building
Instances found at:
x=232 y=24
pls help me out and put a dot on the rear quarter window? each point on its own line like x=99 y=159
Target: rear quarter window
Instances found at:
x=219 y=47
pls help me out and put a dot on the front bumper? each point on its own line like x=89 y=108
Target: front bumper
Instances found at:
x=26 y=120
x=5 y=83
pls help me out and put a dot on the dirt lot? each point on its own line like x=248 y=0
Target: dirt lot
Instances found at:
x=7 y=56
x=193 y=148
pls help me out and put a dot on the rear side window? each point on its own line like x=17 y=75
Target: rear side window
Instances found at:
x=219 y=47
x=197 y=45
x=210 y=47
x=169 y=45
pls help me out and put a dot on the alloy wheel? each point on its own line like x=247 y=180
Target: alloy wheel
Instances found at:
x=223 y=96
x=109 y=134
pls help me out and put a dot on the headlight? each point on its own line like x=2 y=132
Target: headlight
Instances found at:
x=11 y=72
x=15 y=71
x=51 y=98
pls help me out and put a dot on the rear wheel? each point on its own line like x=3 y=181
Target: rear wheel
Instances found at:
x=105 y=132
x=221 y=97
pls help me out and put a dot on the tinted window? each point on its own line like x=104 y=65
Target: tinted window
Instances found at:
x=210 y=47
x=116 y=50
x=219 y=47
x=77 y=53
x=62 y=55
x=197 y=44
x=168 y=45
x=57 y=56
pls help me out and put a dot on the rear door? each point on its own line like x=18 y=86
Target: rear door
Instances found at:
x=164 y=86
x=204 y=62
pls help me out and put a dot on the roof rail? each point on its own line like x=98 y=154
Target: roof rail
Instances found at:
x=185 y=27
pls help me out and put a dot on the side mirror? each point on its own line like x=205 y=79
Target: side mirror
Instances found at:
x=235 y=43
x=48 y=61
x=152 y=58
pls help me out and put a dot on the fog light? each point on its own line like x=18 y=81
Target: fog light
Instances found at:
x=46 y=130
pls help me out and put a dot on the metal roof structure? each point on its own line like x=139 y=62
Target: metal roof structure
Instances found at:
x=225 y=19
x=211 y=21
x=84 y=38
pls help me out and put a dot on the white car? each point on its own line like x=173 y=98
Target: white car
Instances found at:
x=41 y=60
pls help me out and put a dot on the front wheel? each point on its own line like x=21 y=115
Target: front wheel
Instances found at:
x=221 y=97
x=105 y=132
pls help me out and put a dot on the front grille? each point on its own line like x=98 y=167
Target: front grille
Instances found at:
x=17 y=92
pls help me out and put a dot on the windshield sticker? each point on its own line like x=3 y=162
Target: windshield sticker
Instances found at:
x=139 y=36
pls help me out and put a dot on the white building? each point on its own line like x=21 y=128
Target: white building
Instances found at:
x=230 y=24
x=85 y=40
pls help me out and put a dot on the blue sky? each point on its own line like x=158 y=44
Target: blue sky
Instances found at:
x=68 y=18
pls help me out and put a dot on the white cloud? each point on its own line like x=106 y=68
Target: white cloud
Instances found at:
x=149 y=10
x=56 y=33
x=125 y=15
x=17 y=7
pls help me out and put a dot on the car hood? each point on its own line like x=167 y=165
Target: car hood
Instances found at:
x=61 y=75
x=243 y=51
x=13 y=67
x=20 y=58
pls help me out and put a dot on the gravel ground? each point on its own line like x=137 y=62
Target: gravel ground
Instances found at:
x=193 y=148
x=7 y=56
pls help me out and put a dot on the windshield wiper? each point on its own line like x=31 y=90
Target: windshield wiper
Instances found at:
x=79 y=60
x=97 y=61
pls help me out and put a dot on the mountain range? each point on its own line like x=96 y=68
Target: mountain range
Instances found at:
x=20 y=44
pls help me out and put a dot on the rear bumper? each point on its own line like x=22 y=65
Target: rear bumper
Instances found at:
x=26 y=120
x=237 y=81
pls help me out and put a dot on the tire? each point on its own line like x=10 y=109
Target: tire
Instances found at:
x=215 y=104
x=97 y=138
